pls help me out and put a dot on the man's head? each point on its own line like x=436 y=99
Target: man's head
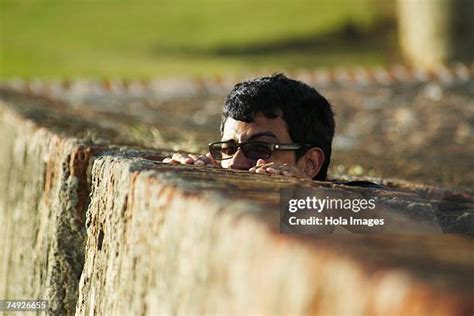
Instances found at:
x=277 y=109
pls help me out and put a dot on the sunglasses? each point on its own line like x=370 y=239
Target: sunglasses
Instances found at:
x=251 y=150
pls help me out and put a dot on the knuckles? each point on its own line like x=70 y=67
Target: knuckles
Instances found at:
x=188 y=159
x=277 y=169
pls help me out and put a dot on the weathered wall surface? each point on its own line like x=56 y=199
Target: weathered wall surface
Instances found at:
x=42 y=212
x=181 y=243
x=44 y=194
x=102 y=229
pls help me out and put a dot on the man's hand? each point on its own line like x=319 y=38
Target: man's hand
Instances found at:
x=274 y=168
x=191 y=159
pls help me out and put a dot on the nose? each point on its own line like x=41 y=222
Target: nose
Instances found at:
x=240 y=162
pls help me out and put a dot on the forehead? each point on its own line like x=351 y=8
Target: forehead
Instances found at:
x=242 y=131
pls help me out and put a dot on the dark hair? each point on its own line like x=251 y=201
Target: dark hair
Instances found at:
x=308 y=115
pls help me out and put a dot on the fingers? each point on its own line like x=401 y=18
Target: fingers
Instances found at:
x=212 y=161
x=272 y=170
x=196 y=160
x=259 y=165
x=172 y=160
x=181 y=159
x=191 y=159
x=276 y=169
x=287 y=173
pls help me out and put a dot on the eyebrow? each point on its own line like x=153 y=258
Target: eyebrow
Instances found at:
x=256 y=135
x=261 y=134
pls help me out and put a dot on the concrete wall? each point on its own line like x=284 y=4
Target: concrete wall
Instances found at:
x=100 y=229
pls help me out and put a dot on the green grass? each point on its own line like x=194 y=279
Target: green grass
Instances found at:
x=136 y=39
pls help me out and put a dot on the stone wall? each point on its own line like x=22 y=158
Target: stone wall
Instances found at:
x=95 y=225
x=43 y=202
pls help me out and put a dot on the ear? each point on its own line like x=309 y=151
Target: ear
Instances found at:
x=311 y=162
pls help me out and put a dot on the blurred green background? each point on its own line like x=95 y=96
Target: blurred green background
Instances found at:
x=142 y=39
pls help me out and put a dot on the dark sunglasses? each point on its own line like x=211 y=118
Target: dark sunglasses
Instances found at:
x=251 y=150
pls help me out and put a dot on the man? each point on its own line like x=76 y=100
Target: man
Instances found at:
x=272 y=125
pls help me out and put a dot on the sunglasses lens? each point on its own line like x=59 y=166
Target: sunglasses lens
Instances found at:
x=221 y=151
x=257 y=150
